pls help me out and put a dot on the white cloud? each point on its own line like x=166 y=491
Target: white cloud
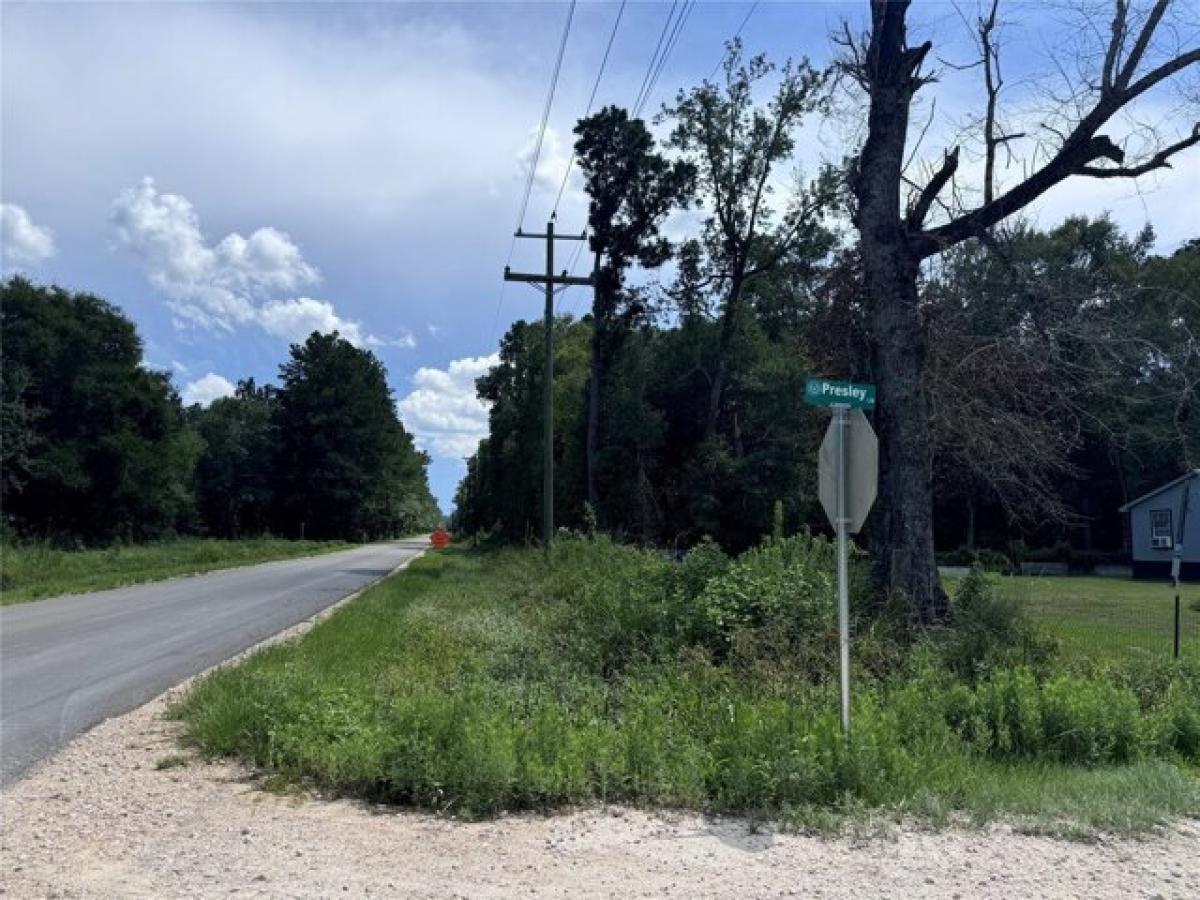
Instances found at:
x=22 y=243
x=302 y=121
x=551 y=164
x=296 y=319
x=207 y=389
x=443 y=411
x=405 y=340
x=213 y=287
x=231 y=283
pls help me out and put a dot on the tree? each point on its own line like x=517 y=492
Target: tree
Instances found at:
x=505 y=487
x=631 y=189
x=1131 y=61
x=345 y=466
x=95 y=445
x=234 y=472
x=737 y=148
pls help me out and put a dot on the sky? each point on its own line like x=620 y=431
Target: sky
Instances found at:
x=234 y=176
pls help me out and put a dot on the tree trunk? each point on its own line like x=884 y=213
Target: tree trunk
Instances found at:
x=728 y=325
x=903 y=520
x=595 y=377
x=902 y=529
x=605 y=295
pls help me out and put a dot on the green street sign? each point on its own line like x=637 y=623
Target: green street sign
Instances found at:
x=823 y=392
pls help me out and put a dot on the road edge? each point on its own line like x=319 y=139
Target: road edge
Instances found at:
x=180 y=576
x=292 y=632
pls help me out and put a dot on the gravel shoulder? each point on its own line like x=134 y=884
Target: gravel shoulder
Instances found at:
x=101 y=820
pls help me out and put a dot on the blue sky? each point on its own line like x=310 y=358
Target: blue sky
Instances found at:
x=234 y=175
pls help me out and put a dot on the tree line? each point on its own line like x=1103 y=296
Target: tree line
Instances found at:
x=1062 y=382
x=98 y=447
x=1029 y=380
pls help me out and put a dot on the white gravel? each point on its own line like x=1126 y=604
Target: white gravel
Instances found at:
x=100 y=820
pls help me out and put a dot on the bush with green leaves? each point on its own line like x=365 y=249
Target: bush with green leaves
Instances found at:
x=786 y=584
x=977 y=558
x=988 y=630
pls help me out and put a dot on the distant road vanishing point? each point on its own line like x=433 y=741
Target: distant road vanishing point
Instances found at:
x=67 y=663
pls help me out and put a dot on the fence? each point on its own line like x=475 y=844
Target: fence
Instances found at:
x=1114 y=619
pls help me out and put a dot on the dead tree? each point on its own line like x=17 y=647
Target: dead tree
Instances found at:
x=896 y=237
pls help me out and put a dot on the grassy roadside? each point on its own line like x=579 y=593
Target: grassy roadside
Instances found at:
x=479 y=682
x=30 y=572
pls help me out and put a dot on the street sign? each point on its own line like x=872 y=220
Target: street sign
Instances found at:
x=862 y=470
x=823 y=392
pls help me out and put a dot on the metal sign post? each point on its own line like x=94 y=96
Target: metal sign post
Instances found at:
x=1177 y=560
x=841 y=422
x=848 y=473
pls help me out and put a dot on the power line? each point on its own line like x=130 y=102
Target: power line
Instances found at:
x=591 y=100
x=684 y=13
x=737 y=34
x=537 y=150
x=654 y=57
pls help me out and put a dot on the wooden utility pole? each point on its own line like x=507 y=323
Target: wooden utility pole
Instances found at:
x=549 y=281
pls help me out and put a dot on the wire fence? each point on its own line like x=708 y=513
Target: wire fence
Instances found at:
x=1113 y=619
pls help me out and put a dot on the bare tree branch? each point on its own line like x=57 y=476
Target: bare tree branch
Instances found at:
x=992 y=82
x=1160 y=160
x=1083 y=145
x=1142 y=42
x=1119 y=26
x=921 y=208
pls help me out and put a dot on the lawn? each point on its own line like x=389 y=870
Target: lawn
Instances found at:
x=33 y=571
x=1109 y=618
x=478 y=682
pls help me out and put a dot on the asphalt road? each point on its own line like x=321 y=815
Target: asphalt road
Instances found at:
x=67 y=663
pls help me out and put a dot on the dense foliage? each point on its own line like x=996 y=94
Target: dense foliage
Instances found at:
x=1062 y=375
x=480 y=682
x=344 y=464
x=97 y=447
x=1060 y=391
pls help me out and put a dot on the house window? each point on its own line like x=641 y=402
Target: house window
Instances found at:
x=1161 y=533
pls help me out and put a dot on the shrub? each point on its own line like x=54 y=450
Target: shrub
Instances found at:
x=1003 y=717
x=1089 y=721
x=483 y=681
x=787 y=584
x=1176 y=723
x=988 y=630
x=1060 y=552
x=1152 y=678
x=977 y=558
x=618 y=605
x=1067 y=719
x=703 y=563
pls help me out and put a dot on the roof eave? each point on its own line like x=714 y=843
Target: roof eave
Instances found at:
x=1193 y=473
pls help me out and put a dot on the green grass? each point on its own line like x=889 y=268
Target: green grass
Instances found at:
x=33 y=571
x=479 y=682
x=1108 y=618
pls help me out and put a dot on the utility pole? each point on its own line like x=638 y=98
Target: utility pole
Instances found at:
x=549 y=281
